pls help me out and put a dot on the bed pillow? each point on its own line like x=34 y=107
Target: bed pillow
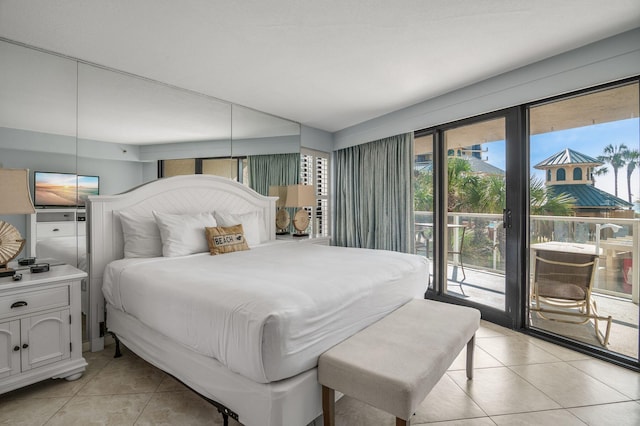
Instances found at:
x=182 y=234
x=226 y=239
x=141 y=236
x=250 y=224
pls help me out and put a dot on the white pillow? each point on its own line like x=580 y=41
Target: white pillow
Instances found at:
x=141 y=236
x=183 y=234
x=250 y=224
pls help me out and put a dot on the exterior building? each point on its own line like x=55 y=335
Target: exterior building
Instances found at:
x=570 y=172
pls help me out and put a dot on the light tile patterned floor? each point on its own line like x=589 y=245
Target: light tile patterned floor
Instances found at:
x=519 y=380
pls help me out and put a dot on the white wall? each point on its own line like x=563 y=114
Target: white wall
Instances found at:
x=607 y=60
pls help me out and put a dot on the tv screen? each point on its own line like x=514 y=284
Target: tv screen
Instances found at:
x=63 y=189
x=87 y=185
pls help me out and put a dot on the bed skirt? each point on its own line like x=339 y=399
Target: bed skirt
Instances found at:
x=291 y=402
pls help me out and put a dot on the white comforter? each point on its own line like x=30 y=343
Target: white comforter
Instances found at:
x=269 y=312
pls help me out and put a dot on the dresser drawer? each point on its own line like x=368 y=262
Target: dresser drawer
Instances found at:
x=55 y=229
x=31 y=301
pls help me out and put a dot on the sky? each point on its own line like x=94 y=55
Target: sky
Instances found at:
x=589 y=140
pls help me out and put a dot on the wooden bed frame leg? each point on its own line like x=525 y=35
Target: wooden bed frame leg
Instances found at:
x=118 y=354
x=470 y=346
x=328 y=406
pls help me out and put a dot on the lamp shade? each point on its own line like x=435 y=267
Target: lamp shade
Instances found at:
x=15 y=197
x=300 y=196
x=280 y=192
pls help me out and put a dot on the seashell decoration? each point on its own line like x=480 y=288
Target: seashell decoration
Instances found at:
x=11 y=242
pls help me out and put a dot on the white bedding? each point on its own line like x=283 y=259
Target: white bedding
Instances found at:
x=70 y=250
x=269 y=312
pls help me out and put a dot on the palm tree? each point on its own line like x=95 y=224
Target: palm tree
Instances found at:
x=544 y=202
x=460 y=180
x=614 y=155
x=600 y=171
x=632 y=158
x=423 y=191
x=486 y=194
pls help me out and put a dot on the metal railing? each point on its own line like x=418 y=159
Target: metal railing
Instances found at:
x=484 y=244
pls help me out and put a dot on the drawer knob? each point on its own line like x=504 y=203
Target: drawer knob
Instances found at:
x=19 y=304
x=55 y=229
x=16 y=348
x=25 y=346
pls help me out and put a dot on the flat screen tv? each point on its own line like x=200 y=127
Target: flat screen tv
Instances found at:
x=63 y=189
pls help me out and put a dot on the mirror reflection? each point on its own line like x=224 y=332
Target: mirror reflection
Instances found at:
x=87 y=129
x=38 y=132
x=127 y=124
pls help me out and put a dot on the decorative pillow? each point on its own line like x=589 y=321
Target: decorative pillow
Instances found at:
x=226 y=239
x=182 y=234
x=250 y=224
x=141 y=235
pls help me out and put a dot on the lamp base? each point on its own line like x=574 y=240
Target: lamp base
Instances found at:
x=300 y=234
x=282 y=233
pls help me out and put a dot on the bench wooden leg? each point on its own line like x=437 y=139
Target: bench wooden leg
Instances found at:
x=328 y=406
x=470 y=346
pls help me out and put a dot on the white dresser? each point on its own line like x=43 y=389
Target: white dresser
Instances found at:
x=40 y=327
x=54 y=223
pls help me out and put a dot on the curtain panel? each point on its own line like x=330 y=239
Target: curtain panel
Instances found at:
x=273 y=170
x=374 y=195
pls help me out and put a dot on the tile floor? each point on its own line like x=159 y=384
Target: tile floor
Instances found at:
x=519 y=380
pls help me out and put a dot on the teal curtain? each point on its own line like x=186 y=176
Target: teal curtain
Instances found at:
x=374 y=195
x=273 y=170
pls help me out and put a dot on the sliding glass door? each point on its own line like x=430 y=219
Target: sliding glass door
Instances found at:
x=468 y=236
x=532 y=215
x=585 y=188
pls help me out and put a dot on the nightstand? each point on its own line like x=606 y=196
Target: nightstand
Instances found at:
x=40 y=327
x=310 y=239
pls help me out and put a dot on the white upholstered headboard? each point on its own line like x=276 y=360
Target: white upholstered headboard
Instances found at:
x=176 y=195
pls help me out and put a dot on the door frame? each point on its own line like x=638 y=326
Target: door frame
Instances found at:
x=517 y=194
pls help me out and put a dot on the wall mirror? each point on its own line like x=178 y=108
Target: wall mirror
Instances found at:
x=126 y=124
x=109 y=130
x=257 y=133
x=37 y=115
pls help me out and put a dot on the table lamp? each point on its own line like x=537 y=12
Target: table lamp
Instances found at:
x=282 y=215
x=300 y=196
x=15 y=198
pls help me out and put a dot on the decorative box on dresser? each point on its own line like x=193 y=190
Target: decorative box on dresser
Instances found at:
x=40 y=327
x=54 y=223
x=323 y=240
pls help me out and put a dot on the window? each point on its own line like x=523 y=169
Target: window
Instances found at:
x=577 y=173
x=314 y=170
x=548 y=175
x=177 y=167
x=592 y=136
x=232 y=168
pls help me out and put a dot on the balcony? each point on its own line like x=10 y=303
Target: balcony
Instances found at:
x=482 y=256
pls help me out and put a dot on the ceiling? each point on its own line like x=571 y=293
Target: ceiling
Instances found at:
x=327 y=64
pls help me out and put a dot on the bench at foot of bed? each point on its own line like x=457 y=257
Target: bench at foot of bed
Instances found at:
x=395 y=362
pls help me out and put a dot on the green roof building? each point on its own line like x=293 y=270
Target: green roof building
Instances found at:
x=571 y=172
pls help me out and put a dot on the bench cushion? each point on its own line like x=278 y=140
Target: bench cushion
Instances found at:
x=395 y=362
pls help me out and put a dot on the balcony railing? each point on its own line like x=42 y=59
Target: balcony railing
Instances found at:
x=484 y=244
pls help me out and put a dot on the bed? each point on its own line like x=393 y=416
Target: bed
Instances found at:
x=243 y=329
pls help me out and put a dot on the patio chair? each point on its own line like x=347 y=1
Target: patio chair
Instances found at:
x=421 y=242
x=564 y=281
x=424 y=239
x=456 y=248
